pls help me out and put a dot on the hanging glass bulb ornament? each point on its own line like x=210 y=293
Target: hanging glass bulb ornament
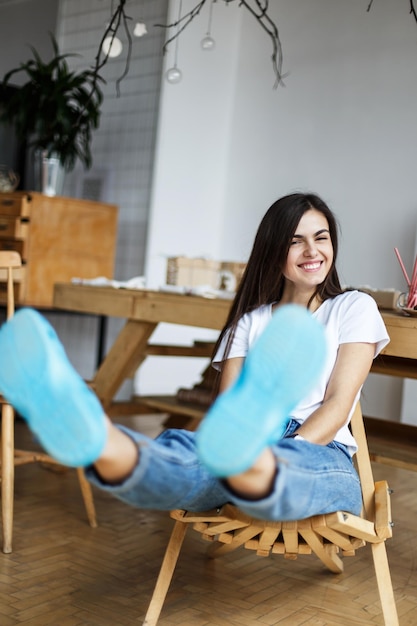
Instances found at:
x=112 y=47
x=208 y=43
x=140 y=29
x=173 y=75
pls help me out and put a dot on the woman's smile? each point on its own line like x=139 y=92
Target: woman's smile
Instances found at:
x=311 y=267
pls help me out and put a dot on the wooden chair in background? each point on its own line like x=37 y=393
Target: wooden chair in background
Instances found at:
x=10 y=261
x=325 y=535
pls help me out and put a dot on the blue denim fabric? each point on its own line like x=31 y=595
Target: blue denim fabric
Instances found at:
x=311 y=479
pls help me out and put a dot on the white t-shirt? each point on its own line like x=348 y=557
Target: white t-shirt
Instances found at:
x=351 y=317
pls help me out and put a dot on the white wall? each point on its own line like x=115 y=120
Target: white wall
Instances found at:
x=344 y=126
x=192 y=155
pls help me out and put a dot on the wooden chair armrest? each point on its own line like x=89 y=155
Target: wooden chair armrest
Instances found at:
x=383 y=519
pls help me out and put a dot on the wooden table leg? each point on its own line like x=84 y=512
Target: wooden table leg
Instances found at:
x=127 y=352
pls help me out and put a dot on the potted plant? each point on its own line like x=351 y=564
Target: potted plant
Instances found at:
x=57 y=109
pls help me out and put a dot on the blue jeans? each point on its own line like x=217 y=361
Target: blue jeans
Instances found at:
x=311 y=479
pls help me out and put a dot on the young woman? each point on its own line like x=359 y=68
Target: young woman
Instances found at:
x=293 y=357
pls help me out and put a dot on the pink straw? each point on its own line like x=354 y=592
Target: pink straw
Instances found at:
x=402 y=267
x=414 y=276
x=412 y=300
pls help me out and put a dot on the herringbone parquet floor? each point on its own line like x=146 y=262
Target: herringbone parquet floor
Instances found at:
x=63 y=573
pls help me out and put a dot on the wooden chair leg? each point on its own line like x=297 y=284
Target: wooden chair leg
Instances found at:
x=383 y=578
x=165 y=574
x=87 y=494
x=7 y=476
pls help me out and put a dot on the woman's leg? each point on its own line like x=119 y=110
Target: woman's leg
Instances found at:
x=307 y=479
x=66 y=416
x=162 y=473
x=291 y=480
x=119 y=456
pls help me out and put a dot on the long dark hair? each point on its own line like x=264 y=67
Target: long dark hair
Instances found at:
x=263 y=279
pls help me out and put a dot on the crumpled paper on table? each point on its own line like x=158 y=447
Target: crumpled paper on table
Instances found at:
x=204 y=291
x=137 y=282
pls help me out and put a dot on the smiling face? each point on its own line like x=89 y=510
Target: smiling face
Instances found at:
x=310 y=256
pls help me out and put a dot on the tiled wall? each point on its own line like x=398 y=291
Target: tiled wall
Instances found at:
x=123 y=146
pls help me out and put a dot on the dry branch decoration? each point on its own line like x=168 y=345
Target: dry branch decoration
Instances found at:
x=120 y=20
x=257 y=8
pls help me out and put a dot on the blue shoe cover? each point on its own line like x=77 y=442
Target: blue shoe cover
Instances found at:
x=279 y=371
x=37 y=379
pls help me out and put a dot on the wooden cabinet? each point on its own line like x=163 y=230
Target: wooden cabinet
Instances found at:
x=58 y=239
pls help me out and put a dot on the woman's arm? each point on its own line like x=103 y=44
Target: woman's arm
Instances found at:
x=230 y=371
x=352 y=366
x=351 y=369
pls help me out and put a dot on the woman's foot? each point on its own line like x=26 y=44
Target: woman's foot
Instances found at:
x=279 y=371
x=37 y=378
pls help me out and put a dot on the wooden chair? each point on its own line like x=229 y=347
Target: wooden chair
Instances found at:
x=10 y=457
x=325 y=535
